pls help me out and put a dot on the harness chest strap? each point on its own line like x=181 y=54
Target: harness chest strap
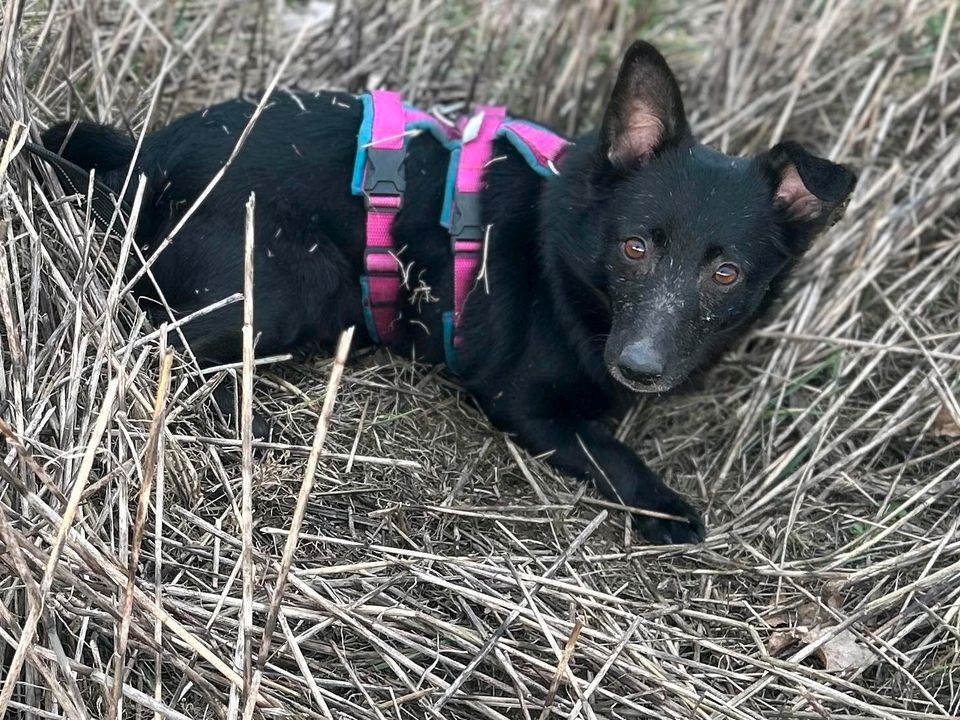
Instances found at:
x=467 y=233
x=541 y=149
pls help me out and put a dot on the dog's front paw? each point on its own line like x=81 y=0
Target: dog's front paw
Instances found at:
x=688 y=528
x=224 y=397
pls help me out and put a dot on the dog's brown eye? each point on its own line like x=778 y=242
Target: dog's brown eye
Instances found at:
x=726 y=274
x=635 y=248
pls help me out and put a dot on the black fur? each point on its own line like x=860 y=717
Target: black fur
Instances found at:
x=94 y=147
x=570 y=327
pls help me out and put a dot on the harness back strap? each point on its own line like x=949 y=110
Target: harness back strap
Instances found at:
x=380 y=157
x=379 y=176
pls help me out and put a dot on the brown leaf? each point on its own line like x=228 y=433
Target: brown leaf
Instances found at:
x=778 y=620
x=944 y=424
x=780 y=641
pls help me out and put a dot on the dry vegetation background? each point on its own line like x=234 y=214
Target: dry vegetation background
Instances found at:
x=441 y=572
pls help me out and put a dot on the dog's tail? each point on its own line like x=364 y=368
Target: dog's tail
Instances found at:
x=87 y=148
x=90 y=146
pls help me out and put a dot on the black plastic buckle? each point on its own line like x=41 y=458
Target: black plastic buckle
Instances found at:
x=465 y=222
x=383 y=174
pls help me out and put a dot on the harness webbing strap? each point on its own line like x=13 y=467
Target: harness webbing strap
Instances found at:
x=379 y=177
x=383 y=187
x=466 y=226
x=540 y=147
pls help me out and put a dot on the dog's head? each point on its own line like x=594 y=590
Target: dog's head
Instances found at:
x=695 y=242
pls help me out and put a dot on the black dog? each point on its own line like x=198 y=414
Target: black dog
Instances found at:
x=637 y=266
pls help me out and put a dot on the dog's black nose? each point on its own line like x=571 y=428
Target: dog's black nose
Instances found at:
x=640 y=362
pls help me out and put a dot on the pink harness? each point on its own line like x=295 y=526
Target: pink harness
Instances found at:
x=379 y=177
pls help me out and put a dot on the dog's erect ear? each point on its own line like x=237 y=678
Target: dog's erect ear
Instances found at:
x=645 y=112
x=810 y=191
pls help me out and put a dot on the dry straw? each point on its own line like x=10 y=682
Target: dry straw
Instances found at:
x=146 y=560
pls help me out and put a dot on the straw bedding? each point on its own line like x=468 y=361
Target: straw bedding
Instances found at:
x=438 y=570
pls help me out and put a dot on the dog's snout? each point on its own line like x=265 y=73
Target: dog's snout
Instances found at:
x=640 y=362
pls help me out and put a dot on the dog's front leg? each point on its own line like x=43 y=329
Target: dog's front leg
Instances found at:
x=584 y=449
